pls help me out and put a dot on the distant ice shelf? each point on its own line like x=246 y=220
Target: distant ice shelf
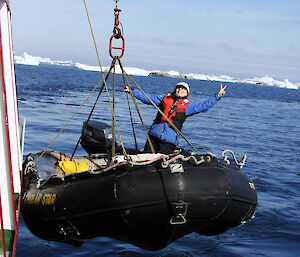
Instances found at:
x=28 y=59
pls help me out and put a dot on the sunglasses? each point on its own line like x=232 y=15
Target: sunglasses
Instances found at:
x=181 y=87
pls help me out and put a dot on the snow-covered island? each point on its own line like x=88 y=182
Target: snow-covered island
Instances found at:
x=27 y=59
x=266 y=80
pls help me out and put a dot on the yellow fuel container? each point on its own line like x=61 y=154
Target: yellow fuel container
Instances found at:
x=69 y=166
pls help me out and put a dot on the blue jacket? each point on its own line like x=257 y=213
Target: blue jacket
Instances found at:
x=162 y=130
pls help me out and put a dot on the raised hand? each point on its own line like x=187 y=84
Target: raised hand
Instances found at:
x=222 y=90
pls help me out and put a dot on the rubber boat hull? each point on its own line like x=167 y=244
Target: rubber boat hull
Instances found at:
x=147 y=206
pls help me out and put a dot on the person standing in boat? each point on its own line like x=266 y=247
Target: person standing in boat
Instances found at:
x=177 y=108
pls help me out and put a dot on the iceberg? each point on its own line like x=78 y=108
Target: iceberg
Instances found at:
x=267 y=81
x=173 y=73
x=129 y=70
x=86 y=67
x=272 y=82
x=28 y=59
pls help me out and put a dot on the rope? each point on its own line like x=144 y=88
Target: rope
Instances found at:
x=181 y=157
x=240 y=163
x=127 y=161
x=30 y=165
x=167 y=160
x=95 y=172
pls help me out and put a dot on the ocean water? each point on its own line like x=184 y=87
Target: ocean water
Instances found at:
x=262 y=122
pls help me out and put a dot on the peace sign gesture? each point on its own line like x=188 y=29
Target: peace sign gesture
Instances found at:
x=222 y=90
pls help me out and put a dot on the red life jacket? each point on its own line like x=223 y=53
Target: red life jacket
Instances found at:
x=174 y=111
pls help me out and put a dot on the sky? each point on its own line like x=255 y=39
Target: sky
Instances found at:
x=239 y=38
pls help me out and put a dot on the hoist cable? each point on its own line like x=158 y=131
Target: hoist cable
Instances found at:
x=137 y=109
x=93 y=108
x=113 y=146
x=125 y=81
x=99 y=61
x=114 y=117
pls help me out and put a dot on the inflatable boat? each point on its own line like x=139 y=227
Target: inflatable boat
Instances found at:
x=148 y=200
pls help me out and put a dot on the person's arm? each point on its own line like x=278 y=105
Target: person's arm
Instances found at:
x=140 y=96
x=197 y=107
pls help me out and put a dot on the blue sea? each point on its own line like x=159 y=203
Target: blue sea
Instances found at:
x=259 y=121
